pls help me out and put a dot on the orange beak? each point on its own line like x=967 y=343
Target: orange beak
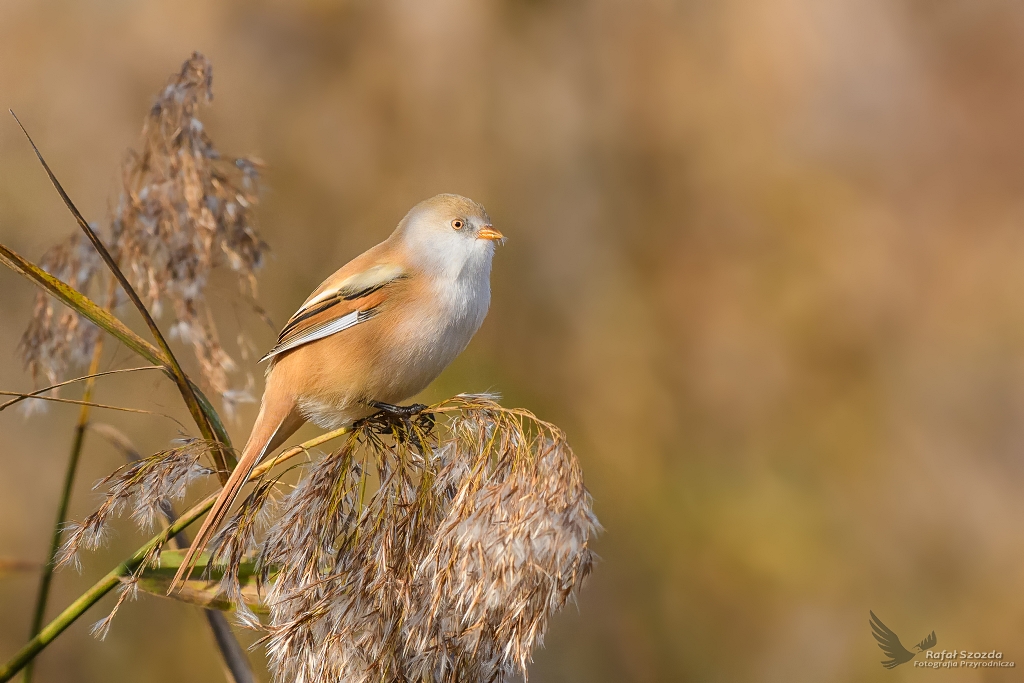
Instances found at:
x=489 y=233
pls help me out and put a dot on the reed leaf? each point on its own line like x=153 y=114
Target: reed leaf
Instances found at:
x=203 y=588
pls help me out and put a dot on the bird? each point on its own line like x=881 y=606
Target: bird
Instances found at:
x=890 y=643
x=372 y=335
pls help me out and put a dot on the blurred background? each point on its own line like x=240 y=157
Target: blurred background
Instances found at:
x=764 y=266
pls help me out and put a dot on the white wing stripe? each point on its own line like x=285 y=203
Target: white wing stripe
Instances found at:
x=320 y=331
x=377 y=276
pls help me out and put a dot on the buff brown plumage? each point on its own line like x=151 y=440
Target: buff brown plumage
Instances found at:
x=380 y=329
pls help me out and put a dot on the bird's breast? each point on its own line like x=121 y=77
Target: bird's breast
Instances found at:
x=438 y=330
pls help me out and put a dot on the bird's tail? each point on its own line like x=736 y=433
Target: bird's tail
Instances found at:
x=276 y=421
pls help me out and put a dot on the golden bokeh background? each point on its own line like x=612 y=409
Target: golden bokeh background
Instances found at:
x=765 y=266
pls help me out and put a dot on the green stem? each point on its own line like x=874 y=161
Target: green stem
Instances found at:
x=89 y=598
x=236 y=662
x=65 y=500
x=69 y=483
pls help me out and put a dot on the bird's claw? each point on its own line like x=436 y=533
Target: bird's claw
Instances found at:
x=398 y=411
x=392 y=419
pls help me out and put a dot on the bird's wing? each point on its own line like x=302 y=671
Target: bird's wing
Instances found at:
x=928 y=643
x=890 y=643
x=342 y=301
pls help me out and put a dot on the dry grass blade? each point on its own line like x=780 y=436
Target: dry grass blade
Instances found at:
x=118 y=439
x=55 y=399
x=44 y=390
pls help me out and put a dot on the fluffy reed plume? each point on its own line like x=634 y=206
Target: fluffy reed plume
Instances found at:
x=58 y=339
x=449 y=571
x=184 y=209
x=146 y=487
x=236 y=540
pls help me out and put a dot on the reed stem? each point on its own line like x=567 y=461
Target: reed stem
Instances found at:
x=65 y=500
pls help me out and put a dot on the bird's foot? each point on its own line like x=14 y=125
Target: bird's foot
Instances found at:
x=398 y=411
x=397 y=420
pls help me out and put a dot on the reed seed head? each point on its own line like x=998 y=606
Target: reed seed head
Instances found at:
x=449 y=571
x=147 y=487
x=185 y=209
x=57 y=338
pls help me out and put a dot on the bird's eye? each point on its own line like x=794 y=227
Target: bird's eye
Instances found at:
x=457 y=224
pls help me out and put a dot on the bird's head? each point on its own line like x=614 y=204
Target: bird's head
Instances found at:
x=448 y=235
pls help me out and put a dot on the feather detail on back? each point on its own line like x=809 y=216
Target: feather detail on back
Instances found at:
x=337 y=306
